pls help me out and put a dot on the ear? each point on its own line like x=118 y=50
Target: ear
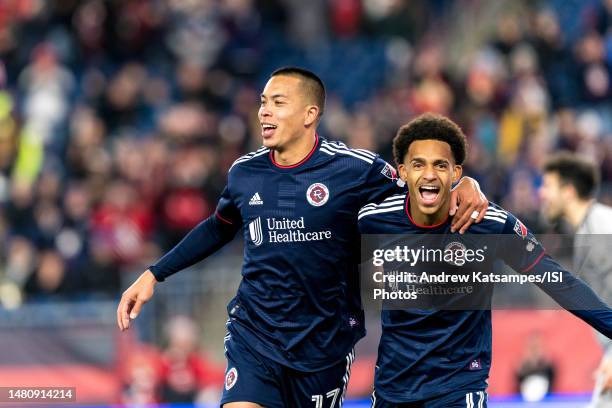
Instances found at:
x=457 y=172
x=312 y=114
x=403 y=172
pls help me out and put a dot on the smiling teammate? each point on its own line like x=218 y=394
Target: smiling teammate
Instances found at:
x=439 y=357
x=297 y=314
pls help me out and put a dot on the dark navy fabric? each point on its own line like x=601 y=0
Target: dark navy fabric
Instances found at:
x=255 y=378
x=427 y=353
x=457 y=399
x=298 y=302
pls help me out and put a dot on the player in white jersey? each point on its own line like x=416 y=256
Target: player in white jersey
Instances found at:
x=570 y=183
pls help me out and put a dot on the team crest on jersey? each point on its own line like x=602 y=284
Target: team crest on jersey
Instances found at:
x=317 y=194
x=458 y=252
x=230 y=378
x=389 y=172
x=520 y=229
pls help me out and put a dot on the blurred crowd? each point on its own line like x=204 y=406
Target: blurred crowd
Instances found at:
x=178 y=373
x=119 y=119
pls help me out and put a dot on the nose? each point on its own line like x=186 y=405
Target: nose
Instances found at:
x=264 y=112
x=429 y=174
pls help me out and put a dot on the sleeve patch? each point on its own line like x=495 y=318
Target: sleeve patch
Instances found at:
x=389 y=172
x=520 y=229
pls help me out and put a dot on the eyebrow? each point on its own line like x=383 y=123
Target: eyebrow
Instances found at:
x=275 y=96
x=437 y=161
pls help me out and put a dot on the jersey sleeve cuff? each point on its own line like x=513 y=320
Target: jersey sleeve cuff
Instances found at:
x=155 y=272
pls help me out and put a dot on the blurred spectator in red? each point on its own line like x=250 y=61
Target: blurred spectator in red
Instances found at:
x=141 y=373
x=187 y=376
x=122 y=222
x=345 y=17
x=184 y=204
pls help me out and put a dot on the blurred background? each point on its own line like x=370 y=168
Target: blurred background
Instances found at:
x=120 y=118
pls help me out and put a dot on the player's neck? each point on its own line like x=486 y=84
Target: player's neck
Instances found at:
x=576 y=210
x=427 y=220
x=296 y=151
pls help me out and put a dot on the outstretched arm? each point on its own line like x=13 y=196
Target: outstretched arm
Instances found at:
x=522 y=251
x=574 y=295
x=203 y=240
x=206 y=238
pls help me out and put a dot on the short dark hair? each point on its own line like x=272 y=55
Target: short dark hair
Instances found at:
x=575 y=170
x=314 y=85
x=429 y=126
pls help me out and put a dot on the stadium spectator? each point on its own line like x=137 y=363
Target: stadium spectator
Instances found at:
x=535 y=376
x=187 y=376
x=141 y=373
x=569 y=195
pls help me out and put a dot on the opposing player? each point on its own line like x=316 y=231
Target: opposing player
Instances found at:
x=568 y=191
x=297 y=314
x=440 y=356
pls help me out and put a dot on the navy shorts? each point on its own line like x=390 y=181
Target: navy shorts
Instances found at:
x=251 y=377
x=457 y=399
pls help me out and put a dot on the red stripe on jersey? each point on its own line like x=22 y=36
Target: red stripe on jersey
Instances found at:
x=530 y=267
x=222 y=219
x=301 y=161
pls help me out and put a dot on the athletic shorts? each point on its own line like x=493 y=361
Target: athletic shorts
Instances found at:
x=457 y=399
x=251 y=377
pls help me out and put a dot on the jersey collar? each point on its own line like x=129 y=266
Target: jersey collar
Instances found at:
x=301 y=162
x=411 y=220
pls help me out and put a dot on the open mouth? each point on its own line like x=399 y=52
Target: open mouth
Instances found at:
x=268 y=129
x=429 y=194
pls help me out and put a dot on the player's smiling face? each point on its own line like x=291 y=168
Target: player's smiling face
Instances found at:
x=429 y=169
x=284 y=113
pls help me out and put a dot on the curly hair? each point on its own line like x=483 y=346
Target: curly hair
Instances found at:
x=429 y=126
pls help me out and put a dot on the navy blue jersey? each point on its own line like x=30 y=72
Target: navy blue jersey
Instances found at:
x=299 y=302
x=425 y=353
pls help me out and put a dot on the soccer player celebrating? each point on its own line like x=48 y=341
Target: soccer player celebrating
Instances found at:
x=440 y=357
x=297 y=314
x=568 y=191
